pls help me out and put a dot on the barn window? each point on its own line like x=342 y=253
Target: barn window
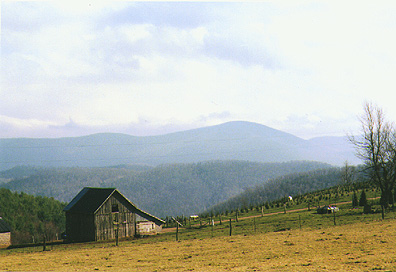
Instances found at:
x=114 y=208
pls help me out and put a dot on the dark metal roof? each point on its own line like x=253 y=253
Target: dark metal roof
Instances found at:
x=4 y=227
x=89 y=200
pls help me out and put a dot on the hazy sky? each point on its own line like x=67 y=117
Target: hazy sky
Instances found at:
x=143 y=68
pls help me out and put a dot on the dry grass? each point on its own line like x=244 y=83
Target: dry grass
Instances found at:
x=356 y=247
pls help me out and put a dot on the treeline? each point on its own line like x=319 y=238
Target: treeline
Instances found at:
x=32 y=218
x=279 y=189
x=63 y=184
x=165 y=190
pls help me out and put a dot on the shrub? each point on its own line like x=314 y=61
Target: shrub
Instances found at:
x=363 y=199
x=354 y=200
x=367 y=209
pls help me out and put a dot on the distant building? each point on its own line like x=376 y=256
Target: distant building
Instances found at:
x=98 y=213
x=5 y=233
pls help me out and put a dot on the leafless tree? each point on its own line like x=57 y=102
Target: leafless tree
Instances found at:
x=377 y=147
x=347 y=174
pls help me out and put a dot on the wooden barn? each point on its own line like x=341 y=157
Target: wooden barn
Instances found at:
x=99 y=213
x=5 y=234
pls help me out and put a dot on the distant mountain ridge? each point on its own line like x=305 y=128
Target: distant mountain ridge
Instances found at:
x=236 y=140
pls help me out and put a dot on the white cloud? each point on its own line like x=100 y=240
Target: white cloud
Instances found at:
x=85 y=7
x=297 y=67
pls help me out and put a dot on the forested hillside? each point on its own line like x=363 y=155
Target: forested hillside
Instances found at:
x=289 y=185
x=164 y=190
x=31 y=217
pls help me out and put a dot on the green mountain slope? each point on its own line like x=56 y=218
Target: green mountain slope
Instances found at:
x=30 y=217
x=289 y=185
x=163 y=190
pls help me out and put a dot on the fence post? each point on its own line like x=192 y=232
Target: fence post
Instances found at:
x=116 y=223
x=44 y=242
x=230 y=227
x=177 y=231
x=334 y=218
x=382 y=212
x=299 y=220
x=212 y=223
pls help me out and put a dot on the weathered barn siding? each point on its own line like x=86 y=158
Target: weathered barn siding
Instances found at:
x=99 y=213
x=108 y=220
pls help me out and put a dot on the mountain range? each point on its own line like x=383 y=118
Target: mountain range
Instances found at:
x=236 y=140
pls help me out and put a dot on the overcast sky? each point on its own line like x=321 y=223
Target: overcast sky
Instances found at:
x=145 y=68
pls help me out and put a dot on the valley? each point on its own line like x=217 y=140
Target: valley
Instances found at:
x=165 y=190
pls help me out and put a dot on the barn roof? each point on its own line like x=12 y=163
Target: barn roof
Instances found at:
x=89 y=200
x=4 y=227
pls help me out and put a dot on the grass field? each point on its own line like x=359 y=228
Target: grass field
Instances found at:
x=274 y=242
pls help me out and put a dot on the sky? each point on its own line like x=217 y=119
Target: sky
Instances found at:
x=73 y=68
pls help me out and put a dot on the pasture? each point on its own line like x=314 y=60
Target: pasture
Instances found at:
x=295 y=241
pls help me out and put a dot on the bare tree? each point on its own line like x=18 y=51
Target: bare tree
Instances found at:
x=377 y=147
x=347 y=177
x=347 y=174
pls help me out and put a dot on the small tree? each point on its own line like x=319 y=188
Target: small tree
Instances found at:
x=354 y=200
x=362 y=199
x=367 y=208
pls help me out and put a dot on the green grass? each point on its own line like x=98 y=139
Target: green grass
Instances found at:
x=286 y=219
x=277 y=220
